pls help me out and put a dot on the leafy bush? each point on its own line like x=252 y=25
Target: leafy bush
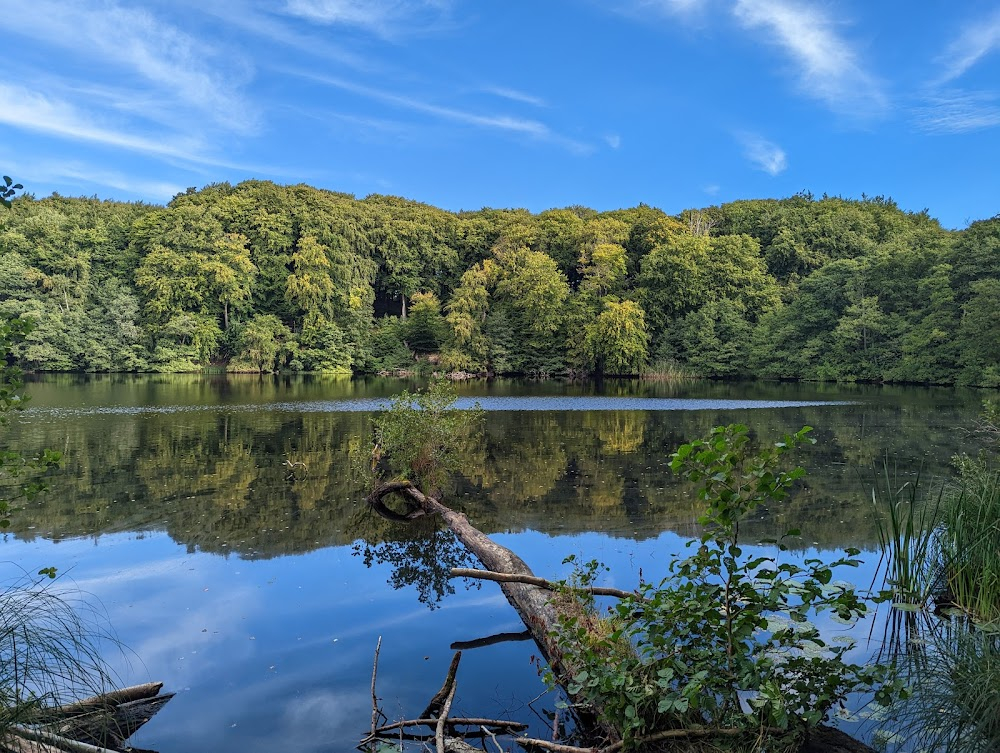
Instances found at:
x=725 y=642
x=420 y=435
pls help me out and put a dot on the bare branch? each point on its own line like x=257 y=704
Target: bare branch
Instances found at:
x=534 y=580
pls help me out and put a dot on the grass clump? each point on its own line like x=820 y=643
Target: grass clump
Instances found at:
x=970 y=543
x=51 y=650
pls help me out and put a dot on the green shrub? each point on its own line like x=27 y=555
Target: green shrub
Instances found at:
x=725 y=642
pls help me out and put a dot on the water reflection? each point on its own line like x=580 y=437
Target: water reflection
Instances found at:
x=213 y=464
x=183 y=523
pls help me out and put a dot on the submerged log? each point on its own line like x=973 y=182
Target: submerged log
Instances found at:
x=532 y=599
x=100 y=724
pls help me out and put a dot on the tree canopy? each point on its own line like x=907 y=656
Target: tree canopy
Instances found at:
x=266 y=277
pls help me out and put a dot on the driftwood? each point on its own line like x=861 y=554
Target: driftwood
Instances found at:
x=100 y=724
x=532 y=599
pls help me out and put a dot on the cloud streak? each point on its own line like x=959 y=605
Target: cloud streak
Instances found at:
x=953 y=112
x=521 y=126
x=974 y=43
x=828 y=66
x=140 y=47
x=763 y=154
x=385 y=18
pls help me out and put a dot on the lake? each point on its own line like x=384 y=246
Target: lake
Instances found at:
x=220 y=524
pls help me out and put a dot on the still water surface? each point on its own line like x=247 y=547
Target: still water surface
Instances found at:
x=220 y=523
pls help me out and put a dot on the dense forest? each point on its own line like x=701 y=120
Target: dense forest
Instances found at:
x=262 y=277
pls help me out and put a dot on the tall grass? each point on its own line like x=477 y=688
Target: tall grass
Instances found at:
x=51 y=648
x=907 y=529
x=970 y=543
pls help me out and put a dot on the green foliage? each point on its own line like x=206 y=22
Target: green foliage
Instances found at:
x=795 y=288
x=8 y=190
x=617 y=340
x=426 y=328
x=725 y=640
x=260 y=342
x=421 y=436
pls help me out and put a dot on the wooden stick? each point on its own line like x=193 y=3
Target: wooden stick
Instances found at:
x=106 y=700
x=439 y=733
x=491 y=640
x=375 y=711
x=493 y=737
x=669 y=734
x=57 y=741
x=533 y=580
x=456 y=721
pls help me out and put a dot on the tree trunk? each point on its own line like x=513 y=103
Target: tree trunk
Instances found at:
x=532 y=603
x=534 y=606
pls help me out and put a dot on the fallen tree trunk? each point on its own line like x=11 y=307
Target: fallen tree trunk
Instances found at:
x=100 y=724
x=532 y=603
x=532 y=599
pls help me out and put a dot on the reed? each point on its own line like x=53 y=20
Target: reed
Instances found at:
x=908 y=530
x=52 y=645
x=970 y=544
x=955 y=686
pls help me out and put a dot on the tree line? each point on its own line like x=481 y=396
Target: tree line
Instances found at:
x=262 y=277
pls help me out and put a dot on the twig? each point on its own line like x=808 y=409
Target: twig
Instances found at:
x=375 y=710
x=492 y=737
x=439 y=733
x=668 y=734
x=532 y=580
x=456 y=721
x=57 y=741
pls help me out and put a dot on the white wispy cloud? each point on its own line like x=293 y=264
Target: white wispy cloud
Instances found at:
x=133 y=45
x=32 y=111
x=501 y=122
x=829 y=68
x=974 y=43
x=382 y=17
x=643 y=8
x=765 y=155
x=83 y=175
x=514 y=95
x=613 y=140
x=952 y=111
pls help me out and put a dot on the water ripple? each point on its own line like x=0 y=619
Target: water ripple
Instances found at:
x=486 y=403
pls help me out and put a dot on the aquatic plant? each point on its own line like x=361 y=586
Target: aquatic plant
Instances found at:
x=955 y=686
x=908 y=532
x=970 y=543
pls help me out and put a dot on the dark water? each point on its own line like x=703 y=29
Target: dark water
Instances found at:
x=220 y=522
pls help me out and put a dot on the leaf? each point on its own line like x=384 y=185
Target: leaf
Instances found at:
x=905 y=606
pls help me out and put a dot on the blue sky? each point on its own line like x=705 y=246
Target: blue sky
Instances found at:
x=471 y=103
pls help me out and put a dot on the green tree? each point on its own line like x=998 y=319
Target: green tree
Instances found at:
x=716 y=339
x=426 y=329
x=617 y=339
x=978 y=344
